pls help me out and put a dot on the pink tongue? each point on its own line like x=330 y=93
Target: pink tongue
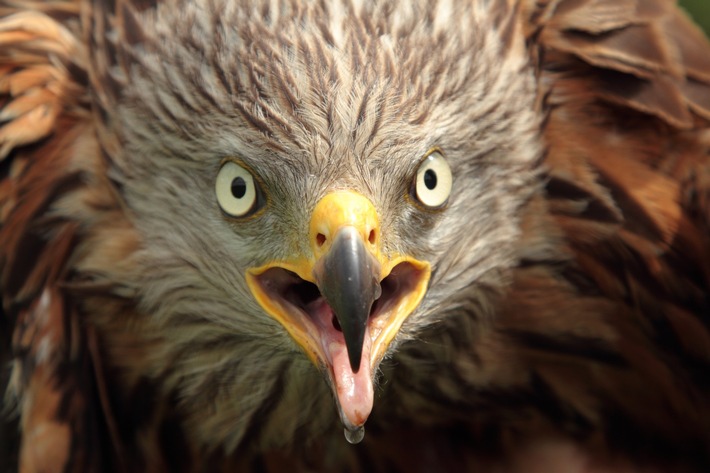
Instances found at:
x=354 y=390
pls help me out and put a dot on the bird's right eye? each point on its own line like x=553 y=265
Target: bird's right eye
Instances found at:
x=237 y=191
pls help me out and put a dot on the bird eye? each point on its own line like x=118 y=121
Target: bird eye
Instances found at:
x=237 y=192
x=433 y=185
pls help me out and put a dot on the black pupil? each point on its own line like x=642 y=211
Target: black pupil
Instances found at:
x=430 y=179
x=239 y=187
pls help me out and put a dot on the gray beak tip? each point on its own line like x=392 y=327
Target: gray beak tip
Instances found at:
x=347 y=278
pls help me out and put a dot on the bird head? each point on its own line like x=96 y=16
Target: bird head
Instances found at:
x=313 y=184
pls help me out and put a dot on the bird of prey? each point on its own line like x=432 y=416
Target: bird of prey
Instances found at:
x=471 y=235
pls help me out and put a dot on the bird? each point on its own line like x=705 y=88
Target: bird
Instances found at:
x=295 y=235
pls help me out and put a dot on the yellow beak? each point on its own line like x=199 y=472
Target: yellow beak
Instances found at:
x=345 y=301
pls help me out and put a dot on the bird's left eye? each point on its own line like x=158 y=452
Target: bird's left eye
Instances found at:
x=237 y=192
x=433 y=183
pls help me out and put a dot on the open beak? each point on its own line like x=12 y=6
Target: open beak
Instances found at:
x=345 y=302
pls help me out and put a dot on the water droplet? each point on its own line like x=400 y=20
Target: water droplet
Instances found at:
x=354 y=436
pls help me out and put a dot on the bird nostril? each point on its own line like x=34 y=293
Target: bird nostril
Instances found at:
x=372 y=237
x=320 y=239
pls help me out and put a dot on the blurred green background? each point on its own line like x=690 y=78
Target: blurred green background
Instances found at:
x=700 y=11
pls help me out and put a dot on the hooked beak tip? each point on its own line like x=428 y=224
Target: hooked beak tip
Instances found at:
x=347 y=276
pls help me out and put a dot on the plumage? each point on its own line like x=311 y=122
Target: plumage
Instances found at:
x=565 y=323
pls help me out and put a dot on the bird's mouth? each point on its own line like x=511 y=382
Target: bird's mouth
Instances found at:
x=344 y=305
x=307 y=307
x=311 y=321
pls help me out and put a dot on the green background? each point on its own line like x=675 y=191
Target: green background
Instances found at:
x=700 y=11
